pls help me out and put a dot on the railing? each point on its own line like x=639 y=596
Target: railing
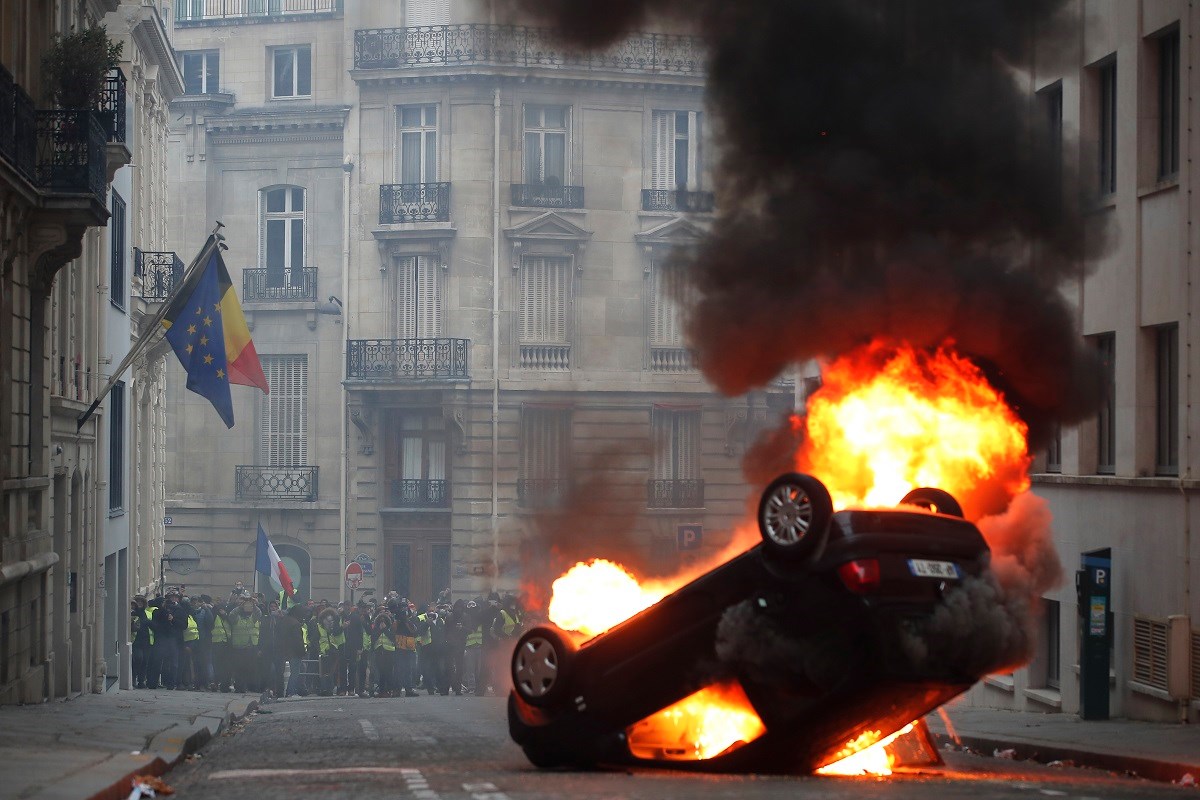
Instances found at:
x=518 y=45
x=541 y=195
x=197 y=12
x=70 y=154
x=18 y=126
x=261 y=286
x=671 y=359
x=414 y=202
x=159 y=272
x=420 y=493
x=542 y=492
x=678 y=200
x=553 y=357
x=678 y=493
x=112 y=106
x=276 y=483
x=403 y=359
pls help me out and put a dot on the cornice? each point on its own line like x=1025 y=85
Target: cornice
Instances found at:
x=308 y=124
x=148 y=29
x=489 y=75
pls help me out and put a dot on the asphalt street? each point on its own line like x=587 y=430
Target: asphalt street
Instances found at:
x=439 y=748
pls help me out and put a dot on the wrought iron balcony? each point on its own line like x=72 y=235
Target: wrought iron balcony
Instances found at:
x=112 y=106
x=542 y=492
x=267 y=286
x=518 y=45
x=675 y=493
x=276 y=483
x=160 y=273
x=545 y=195
x=18 y=127
x=677 y=200
x=420 y=493
x=414 y=202
x=201 y=12
x=407 y=359
x=71 y=152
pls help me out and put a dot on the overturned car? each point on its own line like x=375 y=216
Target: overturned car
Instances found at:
x=811 y=645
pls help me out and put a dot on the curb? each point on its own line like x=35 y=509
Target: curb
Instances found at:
x=176 y=743
x=1045 y=752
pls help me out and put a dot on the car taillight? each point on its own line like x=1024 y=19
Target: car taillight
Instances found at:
x=861 y=576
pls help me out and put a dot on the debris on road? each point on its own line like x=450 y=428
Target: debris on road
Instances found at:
x=148 y=786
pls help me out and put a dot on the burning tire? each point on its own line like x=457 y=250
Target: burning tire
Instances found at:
x=794 y=515
x=540 y=666
x=936 y=500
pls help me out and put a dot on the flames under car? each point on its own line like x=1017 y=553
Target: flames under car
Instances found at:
x=819 y=634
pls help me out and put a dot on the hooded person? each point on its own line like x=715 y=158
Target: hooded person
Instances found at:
x=168 y=624
x=383 y=631
x=142 y=638
x=289 y=641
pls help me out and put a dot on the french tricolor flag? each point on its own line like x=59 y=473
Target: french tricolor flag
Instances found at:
x=267 y=561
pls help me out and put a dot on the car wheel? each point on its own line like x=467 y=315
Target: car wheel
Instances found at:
x=794 y=515
x=540 y=665
x=936 y=500
x=543 y=759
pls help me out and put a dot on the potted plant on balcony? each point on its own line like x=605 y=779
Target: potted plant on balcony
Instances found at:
x=75 y=66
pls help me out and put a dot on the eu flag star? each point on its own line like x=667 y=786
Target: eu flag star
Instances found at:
x=208 y=359
x=203 y=340
x=191 y=328
x=199 y=311
x=217 y=308
x=220 y=373
x=207 y=321
x=189 y=348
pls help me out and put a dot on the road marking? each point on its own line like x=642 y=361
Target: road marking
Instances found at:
x=484 y=791
x=239 y=774
x=422 y=740
x=416 y=784
x=369 y=729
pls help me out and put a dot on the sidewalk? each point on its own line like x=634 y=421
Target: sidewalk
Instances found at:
x=90 y=746
x=1158 y=751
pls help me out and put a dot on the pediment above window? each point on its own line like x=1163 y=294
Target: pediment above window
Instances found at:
x=674 y=232
x=548 y=234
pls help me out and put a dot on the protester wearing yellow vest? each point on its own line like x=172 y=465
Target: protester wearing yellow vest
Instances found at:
x=332 y=642
x=245 y=624
x=385 y=653
x=142 y=636
x=220 y=651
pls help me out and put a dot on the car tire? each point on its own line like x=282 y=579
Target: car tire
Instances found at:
x=543 y=759
x=936 y=500
x=794 y=515
x=541 y=664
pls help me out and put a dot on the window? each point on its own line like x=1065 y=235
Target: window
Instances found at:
x=543 y=480
x=416 y=460
x=1106 y=422
x=666 y=313
x=1054 y=450
x=676 y=150
x=202 y=72
x=418 y=144
x=117 y=280
x=543 y=319
x=1107 y=127
x=1052 y=643
x=676 y=443
x=283 y=414
x=419 y=297
x=546 y=145
x=426 y=12
x=1051 y=100
x=1150 y=651
x=292 y=71
x=116 y=448
x=1168 y=105
x=1166 y=390
x=282 y=243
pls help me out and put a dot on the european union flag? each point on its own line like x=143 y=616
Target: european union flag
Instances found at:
x=196 y=333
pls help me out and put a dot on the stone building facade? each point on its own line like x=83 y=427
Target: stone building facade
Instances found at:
x=455 y=262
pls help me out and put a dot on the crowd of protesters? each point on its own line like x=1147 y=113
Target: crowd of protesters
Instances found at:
x=374 y=648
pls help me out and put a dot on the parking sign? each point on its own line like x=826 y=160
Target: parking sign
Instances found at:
x=689 y=537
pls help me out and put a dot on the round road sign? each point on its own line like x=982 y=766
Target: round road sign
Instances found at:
x=354 y=575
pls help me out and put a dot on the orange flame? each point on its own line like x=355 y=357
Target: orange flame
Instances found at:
x=700 y=726
x=889 y=419
x=593 y=597
x=865 y=755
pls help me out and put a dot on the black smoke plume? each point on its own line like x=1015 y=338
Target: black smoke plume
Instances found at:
x=883 y=173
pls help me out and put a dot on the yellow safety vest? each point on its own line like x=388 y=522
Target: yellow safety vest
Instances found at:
x=304 y=635
x=193 y=630
x=425 y=638
x=328 y=641
x=475 y=637
x=220 y=631
x=385 y=642
x=366 y=640
x=146 y=623
x=510 y=623
x=245 y=632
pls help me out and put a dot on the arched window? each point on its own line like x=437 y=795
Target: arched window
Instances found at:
x=295 y=560
x=281 y=237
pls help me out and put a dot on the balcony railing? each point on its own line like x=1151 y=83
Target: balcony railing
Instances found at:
x=552 y=357
x=676 y=493
x=677 y=200
x=541 y=195
x=18 y=127
x=70 y=152
x=276 y=483
x=518 y=45
x=267 y=286
x=112 y=106
x=542 y=492
x=198 y=12
x=420 y=493
x=160 y=273
x=414 y=202
x=406 y=359
x=671 y=359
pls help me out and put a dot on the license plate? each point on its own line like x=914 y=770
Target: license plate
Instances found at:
x=946 y=570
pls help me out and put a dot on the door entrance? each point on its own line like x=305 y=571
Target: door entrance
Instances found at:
x=417 y=567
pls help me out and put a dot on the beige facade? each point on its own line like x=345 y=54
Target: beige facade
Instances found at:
x=1126 y=480
x=502 y=285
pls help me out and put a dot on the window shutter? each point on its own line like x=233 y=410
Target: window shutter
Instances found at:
x=426 y=12
x=429 y=297
x=407 y=297
x=663 y=170
x=1150 y=652
x=283 y=414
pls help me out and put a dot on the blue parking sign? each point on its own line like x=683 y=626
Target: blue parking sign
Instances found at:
x=689 y=537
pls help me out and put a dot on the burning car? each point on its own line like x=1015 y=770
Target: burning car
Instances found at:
x=808 y=647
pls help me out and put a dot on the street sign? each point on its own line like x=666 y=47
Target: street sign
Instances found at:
x=367 y=563
x=354 y=575
x=168 y=520
x=689 y=537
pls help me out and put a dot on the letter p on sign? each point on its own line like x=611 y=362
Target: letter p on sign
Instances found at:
x=689 y=537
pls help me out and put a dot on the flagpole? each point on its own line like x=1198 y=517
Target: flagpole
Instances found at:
x=215 y=240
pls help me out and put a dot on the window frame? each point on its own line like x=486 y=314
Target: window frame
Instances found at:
x=1166 y=400
x=672 y=460
x=294 y=50
x=427 y=133
x=1106 y=126
x=118 y=277
x=664 y=149
x=292 y=275
x=541 y=130
x=1050 y=98
x=1106 y=417
x=1168 y=96
x=1054 y=450
x=116 y=449
x=533 y=317
x=287 y=402
x=205 y=56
